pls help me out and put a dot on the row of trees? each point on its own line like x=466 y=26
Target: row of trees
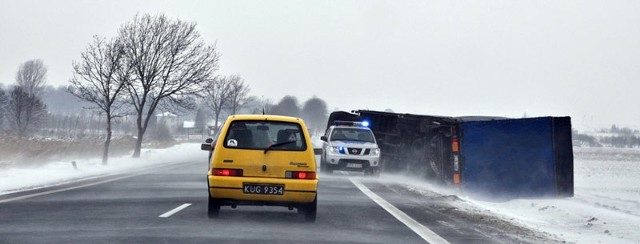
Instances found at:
x=617 y=130
x=313 y=111
x=614 y=137
x=21 y=107
x=152 y=63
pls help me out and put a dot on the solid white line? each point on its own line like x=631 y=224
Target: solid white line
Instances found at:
x=65 y=189
x=175 y=210
x=137 y=172
x=414 y=225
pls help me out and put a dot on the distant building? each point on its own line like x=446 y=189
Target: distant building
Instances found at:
x=192 y=132
x=188 y=124
x=169 y=119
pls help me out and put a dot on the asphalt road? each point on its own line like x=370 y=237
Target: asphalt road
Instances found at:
x=128 y=209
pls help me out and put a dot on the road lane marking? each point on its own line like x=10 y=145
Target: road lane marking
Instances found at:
x=64 y=189
x=175 y=210
x=414 y=225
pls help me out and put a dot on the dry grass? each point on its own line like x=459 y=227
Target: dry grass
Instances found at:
x=33 y=152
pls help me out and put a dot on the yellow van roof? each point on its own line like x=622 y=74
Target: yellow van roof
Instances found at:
x=264 y=117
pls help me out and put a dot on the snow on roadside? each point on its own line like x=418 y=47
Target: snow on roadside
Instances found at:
x=55 y=173
x=605 y=208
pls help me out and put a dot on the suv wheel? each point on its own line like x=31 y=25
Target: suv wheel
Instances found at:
x=375 y=172
x=324 y=166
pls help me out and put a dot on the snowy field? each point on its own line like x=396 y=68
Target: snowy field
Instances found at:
x=56 y=173
x=605 y=209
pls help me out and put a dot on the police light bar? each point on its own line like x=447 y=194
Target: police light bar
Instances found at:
x=352 y=123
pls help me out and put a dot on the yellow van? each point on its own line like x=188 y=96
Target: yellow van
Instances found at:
x=262 y=160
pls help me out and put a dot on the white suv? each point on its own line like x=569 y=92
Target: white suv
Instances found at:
x=350 y=146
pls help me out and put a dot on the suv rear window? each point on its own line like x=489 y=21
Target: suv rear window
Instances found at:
x=246 y=134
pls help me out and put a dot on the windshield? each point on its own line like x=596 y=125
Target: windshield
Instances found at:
x=263 y=134
x=352 y=134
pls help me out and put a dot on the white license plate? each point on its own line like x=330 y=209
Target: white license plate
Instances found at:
x=263 y=189
x=354 y=165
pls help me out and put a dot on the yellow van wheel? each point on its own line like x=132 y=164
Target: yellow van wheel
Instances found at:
x=213 y=208
x=309 y=210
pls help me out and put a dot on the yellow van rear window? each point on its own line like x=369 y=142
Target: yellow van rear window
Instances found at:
x=260 y=135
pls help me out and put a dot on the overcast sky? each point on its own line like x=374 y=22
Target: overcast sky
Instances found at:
x=501 y=58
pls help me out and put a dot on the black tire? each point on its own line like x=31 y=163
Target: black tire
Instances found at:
x=369 y=171
x=310 y=210
x=376 y=172
x=373 y=172
x=324 y=165
x=213 y=210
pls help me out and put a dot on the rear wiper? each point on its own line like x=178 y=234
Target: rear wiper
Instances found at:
x=277 y=145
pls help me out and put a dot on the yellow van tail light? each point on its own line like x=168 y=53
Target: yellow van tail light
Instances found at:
x=308 y=175
x=226 y=172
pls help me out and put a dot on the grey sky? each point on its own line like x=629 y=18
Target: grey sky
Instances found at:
x=503 y=58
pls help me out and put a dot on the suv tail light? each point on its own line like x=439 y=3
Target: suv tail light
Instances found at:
x=300 y=175
x=227 y=172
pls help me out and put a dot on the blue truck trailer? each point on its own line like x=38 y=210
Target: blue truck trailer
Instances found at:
x=497 y=157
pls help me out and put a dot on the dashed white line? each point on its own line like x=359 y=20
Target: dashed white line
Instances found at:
x=414 y=225
x=175 y=210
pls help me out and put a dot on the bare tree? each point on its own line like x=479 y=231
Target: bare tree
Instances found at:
x=99 y=78
x=24 y=112
x=217 y=96
x=25 y=109
x=238 y=94
x=31 y=76
x=288 y=106
x=169 y=61
x=315 y=114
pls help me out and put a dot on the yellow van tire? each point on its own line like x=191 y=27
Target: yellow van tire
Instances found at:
x=213 y=208
x=310 y=209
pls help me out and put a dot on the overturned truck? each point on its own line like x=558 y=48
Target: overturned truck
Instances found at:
x=486 y=156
